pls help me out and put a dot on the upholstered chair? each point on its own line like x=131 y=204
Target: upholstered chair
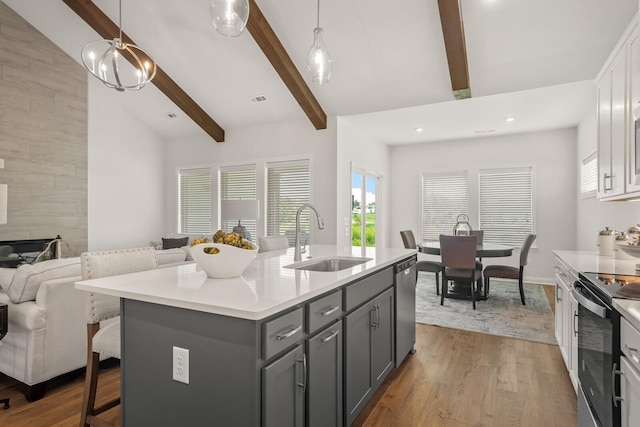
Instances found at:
x=102 y=313
x=458 y=255
x=426 y=266
x=509 y=272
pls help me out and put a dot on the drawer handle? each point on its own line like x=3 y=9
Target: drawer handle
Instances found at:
x=289 y=334
x=330 y=337
x=330 y=311
x=630 y=350
x=615 y=398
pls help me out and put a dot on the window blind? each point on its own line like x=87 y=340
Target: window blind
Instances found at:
x=239 y=183
x=444 y=197
x=506 y=205
x=288 y=187
x=194 y=210
x=589 y=175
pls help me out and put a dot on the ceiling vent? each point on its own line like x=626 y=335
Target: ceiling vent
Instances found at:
x=260 y=98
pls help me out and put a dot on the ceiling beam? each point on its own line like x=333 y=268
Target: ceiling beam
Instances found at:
x=453 y=32
x=107 y=29
x=263 y=34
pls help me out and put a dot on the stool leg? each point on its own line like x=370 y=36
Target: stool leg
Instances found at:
x=5 y=402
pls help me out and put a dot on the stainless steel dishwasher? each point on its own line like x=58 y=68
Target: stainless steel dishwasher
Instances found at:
x=406 y=277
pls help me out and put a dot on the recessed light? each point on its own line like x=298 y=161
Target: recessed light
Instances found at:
x=419 y=129
x=509 y=119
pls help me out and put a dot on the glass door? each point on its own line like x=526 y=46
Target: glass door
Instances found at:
x=363 y=209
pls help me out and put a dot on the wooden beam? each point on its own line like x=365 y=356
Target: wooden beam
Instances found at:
x=107 y=29
x=263 y=34
x=453 y=32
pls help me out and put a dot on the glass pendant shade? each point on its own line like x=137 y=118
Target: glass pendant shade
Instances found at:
x=318 y=59
x=112 y=62
x=229 y=16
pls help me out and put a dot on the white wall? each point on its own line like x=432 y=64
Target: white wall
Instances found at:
x=126 y=174
x=592 y=214
x=296 y=139
x=355 y=149
x=553 y=155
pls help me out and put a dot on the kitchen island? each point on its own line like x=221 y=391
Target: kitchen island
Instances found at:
x=276 y=346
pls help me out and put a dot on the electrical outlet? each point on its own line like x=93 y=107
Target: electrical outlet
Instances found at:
x=181 y=365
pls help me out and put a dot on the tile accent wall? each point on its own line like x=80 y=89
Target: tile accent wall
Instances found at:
x=43 y=137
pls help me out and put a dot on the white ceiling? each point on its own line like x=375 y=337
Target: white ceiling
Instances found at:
x=534 y=60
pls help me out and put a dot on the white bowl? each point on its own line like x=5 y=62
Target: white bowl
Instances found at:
x=231 y=261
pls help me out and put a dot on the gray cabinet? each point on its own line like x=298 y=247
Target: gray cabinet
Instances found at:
x=324 y=391
x=368 y=351
x=283 y=390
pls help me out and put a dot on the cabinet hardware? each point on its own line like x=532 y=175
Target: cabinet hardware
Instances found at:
x=303 y=384
x=331 y=310
x=372 y=317
x=330 y=337
x=289 y=334
x=575 y=329
x=615 y=398
x=604 y=182
x=377 y=315
x=630 y=350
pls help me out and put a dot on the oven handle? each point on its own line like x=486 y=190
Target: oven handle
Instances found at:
x=596 y=309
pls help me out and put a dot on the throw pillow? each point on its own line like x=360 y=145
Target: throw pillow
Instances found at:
x=174 y=243
x=6 y=276
x=28 y=277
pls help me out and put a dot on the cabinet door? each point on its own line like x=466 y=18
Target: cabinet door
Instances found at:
x=383 y=337
x=573 y=342
x=633 y=161
x=618 y=123
x=630 y=392
x=567 y=327
x=283 y=387
x=604 y=135
x=358 y=360
x=559 y=315
x=324 y=392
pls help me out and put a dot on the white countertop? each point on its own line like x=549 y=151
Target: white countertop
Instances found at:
x=265 y=287
x=592 y=262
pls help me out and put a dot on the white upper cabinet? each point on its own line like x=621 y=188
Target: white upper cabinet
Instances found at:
x=618 y=91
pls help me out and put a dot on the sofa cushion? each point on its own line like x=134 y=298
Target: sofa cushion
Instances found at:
x=6 y=276
x=168 y=243
x=28 y=315
x=27 y=279
x=170 y=256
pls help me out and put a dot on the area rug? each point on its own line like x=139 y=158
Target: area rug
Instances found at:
x=502 y=314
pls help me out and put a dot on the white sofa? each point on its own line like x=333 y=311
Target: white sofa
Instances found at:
x=47 y=329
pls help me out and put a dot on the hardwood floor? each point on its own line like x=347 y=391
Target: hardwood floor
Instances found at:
x=456 y=378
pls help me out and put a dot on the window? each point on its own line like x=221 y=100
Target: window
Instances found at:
x=237 y=183
x=589 y=176
x=288 y=187
x=194 y=210
x=506 y=205
x=444 y=197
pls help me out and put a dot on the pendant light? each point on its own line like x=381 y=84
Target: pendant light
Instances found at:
x=120 y=66
x=229 y=16
x=318 y=59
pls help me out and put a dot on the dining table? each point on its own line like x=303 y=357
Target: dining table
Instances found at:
x=483 y=250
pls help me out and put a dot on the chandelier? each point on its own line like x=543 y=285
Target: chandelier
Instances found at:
x=318 y=59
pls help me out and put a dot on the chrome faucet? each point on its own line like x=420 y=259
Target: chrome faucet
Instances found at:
x=297 y=256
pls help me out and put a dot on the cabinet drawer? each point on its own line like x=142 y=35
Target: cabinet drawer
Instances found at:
x=630 y=342
x=324 y=311
x=282 y=332
x=367 y=288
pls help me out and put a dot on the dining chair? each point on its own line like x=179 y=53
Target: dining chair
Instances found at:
x=102 y=313
x=458 y=255
x=272 y=243
x=479 y=240
x=509 y=272
x=427 y=266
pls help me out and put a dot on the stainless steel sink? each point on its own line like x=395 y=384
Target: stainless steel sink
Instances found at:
x=329 y=264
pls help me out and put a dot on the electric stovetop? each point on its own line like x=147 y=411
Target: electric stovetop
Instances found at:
x=615 y=285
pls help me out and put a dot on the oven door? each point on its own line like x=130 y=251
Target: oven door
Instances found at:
x=597 y=338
